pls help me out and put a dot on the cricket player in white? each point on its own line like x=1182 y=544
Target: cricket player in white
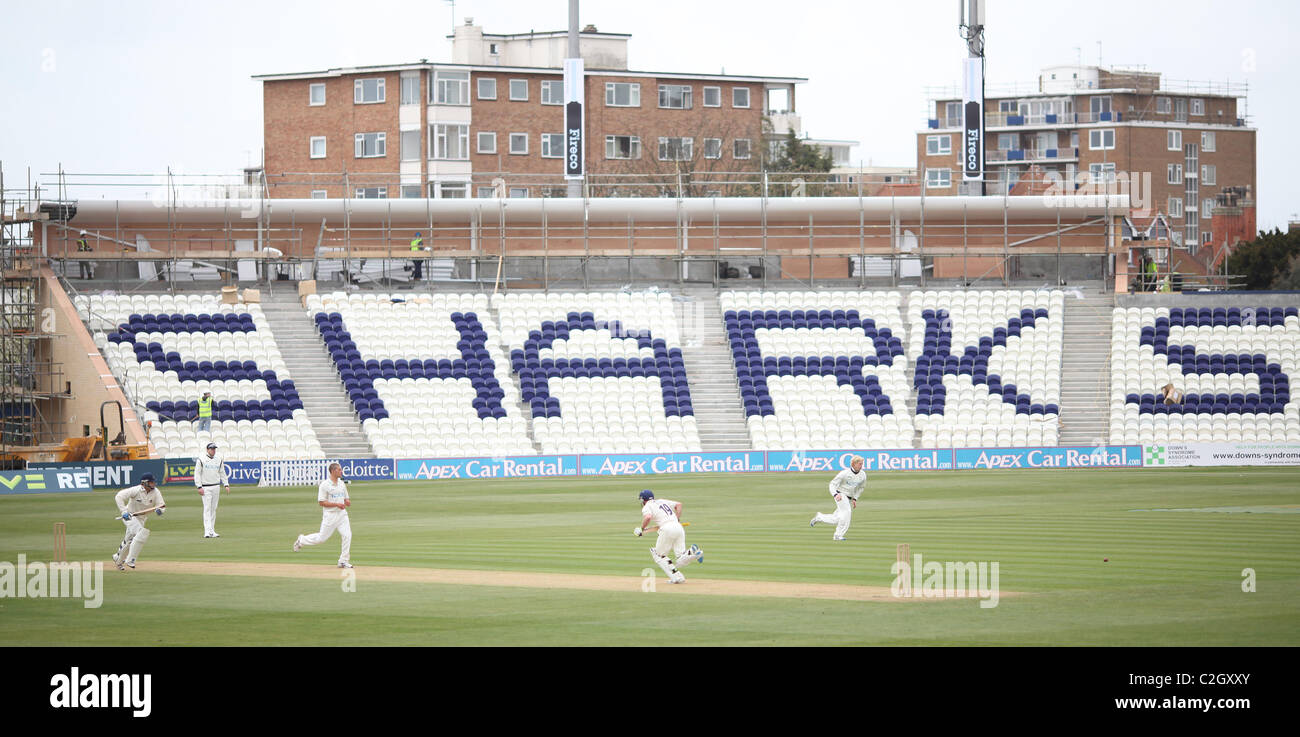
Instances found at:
x=333 y=498
x=666 y=515
x=134 y=504
x=846 y=487
x=210 y=475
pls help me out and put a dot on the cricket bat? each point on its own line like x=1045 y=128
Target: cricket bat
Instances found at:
x=144 y=511
x=656 y=527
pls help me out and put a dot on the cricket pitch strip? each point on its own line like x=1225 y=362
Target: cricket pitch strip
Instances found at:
x=539 y=580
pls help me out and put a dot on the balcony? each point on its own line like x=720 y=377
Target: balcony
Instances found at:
x=1028 y=155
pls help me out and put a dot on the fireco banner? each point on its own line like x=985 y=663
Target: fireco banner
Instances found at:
x=972 y=146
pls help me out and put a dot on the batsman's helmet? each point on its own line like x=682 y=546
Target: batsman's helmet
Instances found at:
x=148 y=477
x=647 y=495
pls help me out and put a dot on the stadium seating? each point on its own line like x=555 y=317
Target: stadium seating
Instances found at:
x=1233 y=366
x=988 y=366
x=166 y=351
x=425 y=373
x=820 y=370
x=599 y=372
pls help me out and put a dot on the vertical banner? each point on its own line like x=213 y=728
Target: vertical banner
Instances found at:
x=972 y=167
x=573 y=121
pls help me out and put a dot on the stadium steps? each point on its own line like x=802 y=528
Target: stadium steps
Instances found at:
x=719 y=414
x=313 y=374
x=1085 y=372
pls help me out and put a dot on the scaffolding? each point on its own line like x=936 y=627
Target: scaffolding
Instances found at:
x=32 y=385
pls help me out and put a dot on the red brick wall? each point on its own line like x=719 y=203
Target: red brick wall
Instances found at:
x=290 y=122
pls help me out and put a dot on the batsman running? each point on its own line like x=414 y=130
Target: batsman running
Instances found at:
x=665 y=514
x=135 y=503
x=846 y=487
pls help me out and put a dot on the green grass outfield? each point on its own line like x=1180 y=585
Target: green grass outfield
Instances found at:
x=1173 y=578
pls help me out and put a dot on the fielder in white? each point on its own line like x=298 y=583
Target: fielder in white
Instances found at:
x=666 y=515
x=333 y=498
x=210 y=475
x=134 y=504
x=846 y=487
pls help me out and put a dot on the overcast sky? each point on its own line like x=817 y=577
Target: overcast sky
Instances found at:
x=140 y=85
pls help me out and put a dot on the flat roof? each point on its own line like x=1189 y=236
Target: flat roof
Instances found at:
x=343 y=71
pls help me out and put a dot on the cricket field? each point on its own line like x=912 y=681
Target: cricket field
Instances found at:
x=1083 y=557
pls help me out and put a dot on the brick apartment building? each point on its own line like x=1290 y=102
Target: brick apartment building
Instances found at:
x=1085 y=125
x=489 y=123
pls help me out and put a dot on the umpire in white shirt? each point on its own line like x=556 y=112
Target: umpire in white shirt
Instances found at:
x=846 y=487
x=210 y=475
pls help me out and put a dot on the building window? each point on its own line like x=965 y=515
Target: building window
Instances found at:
x=410 y=191
x=1206 y=238
x=1207 y=141
x=713 y=148
x=1006 y=141
x=1102 y=173
x=1100 y=106
x=370 y=145
x=450 y=142
x=519 y=90
x=1101 y=139
x=318 y=147
x=319 y=194
x=1175 y=207
x=453 y=190
x=451 y=88
x=1174 y=140
x=372 y=193
x=938 y=178
x=1180 y=109
x=368 y=91
x=518 y=143
x=553 y=92
x=676 y=149
x=410 y=90
x=487 y=142
x=1207 y=205
x=675 y=96
x=1162 y=105
x=487 y=88
x=552 y=145
x=739 y=97
x=1209 y=174
x=1198 y=106
x=1175 y=174
x=519 y=192
x=622 y=94
x=316 y=94
x=622 y=147
x=938 y=145
x=486 y=193
x=410 y=146
x=952 y=115
x=740 y=148
x=712 y=97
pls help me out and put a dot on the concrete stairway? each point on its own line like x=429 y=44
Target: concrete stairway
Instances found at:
x=313 y=374
x=1085 y=370
x=719 y=414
